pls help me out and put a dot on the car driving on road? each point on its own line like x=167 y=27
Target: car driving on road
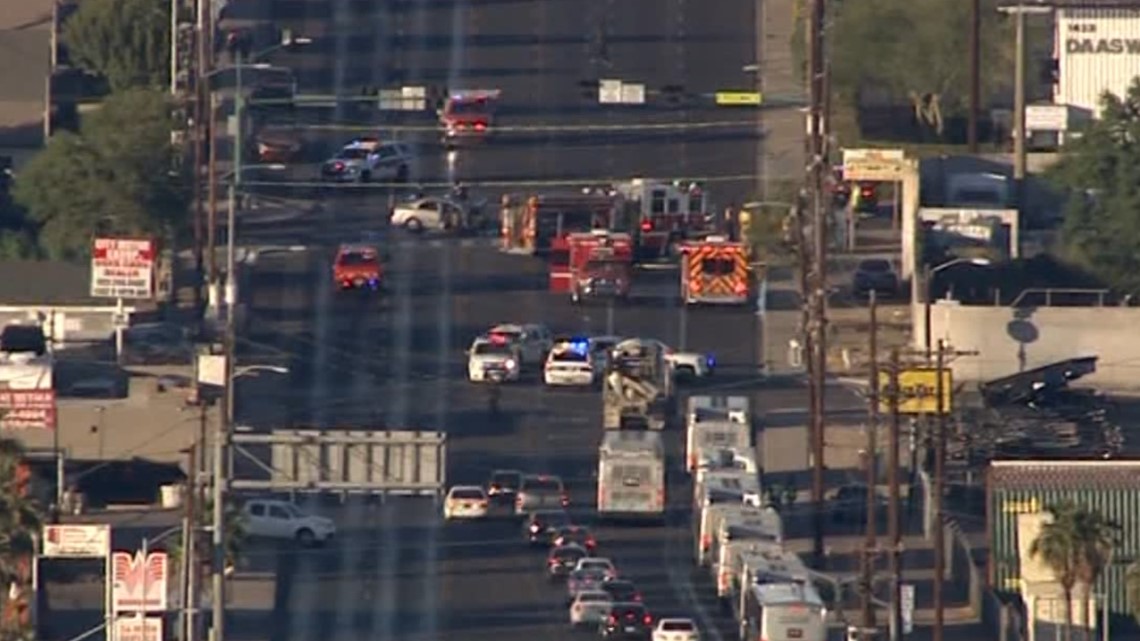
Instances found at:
x=628 y=621
x=281 y=520
x=541 y=524
x=367 y=160
x=562 y=560
x=542 y=492
x=589 y=609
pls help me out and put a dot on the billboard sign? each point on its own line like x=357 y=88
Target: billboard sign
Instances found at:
x=917 y=391
x=886 y=165
x=123 y=268
x=89 y=541
x=131 y=628
x=139 y=585
x=27 y=409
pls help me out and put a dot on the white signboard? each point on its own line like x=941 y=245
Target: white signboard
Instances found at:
x=609 y=92
x=123 y=268
x=633 y=94
x=212 y=369
x=77 y=541
x=1098 y=50
x=906 y=596
x=132 y=628
x=138 y=585
x=874 y=164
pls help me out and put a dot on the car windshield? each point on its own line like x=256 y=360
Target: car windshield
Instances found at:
x=593 y=597
x=468 y=107
x=355 y=153
x=569 y=553
x=569 y=356
x=352 y=259
x=466 y=494
x=875 y=266
x=604 y=268
x=677 y=626
x=542 y=485
x=491 y=349
x=505 y=479
x=507 y=336
x=595 y=564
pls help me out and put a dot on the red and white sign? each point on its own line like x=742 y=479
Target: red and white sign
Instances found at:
x=132 y=628
x=27 y=409
x=139 y=586
x=123 y=268
x=89 y=541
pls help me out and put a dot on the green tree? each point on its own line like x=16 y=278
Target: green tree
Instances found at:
x=1076 y=544
x=1101 y=173
x=1132 y=585
x=908 y=49
x=126 y=42
x=20 y=519
x=235 y=534
x=115 y=176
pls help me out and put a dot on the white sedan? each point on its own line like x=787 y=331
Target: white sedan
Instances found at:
x=590 y=608
x=465 y=502
x=432 y=213
x=676 y=630
x=571 y=364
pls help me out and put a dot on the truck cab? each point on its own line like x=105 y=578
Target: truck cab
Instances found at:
x=357 y=267
x=601 y=266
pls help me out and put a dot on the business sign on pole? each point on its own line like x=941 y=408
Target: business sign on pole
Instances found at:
x=27 y=409
x=123 y=268
x=918 y=391
x=738 y=98
x=133 y=628
x=139 y=585
x=88 y=541
x=885 y=165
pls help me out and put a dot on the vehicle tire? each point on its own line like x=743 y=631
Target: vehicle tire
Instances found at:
x=402 y=174
x=686 y=372
x=365 y=176
x=413 y=225
x=305 y=537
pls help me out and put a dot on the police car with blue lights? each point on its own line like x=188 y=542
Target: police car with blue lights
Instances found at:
x=572 y=363
x=493 y=359
x=369 y=159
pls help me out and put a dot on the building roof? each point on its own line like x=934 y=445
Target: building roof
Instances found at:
x=30 y=282
x=25 y=47
x=1039 y=475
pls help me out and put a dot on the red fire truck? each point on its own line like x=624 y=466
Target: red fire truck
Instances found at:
x=538 y=225
x=665 y=214
x=600 y=266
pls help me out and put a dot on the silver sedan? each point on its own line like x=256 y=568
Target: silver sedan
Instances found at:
x=590 y=608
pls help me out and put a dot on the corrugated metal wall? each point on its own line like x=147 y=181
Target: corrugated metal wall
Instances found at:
x=1120 y=505
x=1098 y=51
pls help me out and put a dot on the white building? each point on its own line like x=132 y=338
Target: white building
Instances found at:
x=1097 y=50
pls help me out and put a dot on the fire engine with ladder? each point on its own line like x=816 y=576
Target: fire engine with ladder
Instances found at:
x=600 y=266
x=539 y=224
x=715 y=271
x=665 y=214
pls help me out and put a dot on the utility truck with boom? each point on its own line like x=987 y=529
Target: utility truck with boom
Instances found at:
x=637 y=392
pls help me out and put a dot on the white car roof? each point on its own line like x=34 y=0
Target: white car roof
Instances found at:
x=506 y=328
x=595 y=560
x=465 y=488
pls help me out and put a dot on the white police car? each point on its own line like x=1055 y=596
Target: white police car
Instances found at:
x=492 y=358
x=571 y=363
x=368 y=159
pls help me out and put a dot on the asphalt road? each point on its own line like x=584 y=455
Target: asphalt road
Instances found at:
x=538 y=54
x=398 y=363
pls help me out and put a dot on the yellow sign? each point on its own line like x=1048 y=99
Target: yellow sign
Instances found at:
x=738 y=98
x=917 y=391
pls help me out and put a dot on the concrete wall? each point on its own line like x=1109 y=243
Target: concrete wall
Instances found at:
x=1009 y=340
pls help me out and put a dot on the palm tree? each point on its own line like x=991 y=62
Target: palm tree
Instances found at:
x=1057 y=546
x=20 y=519
x=1096 y=537
x=1132 y=583
x=1077 y=544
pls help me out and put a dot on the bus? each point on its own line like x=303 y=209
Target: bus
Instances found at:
x=783 y=612
x=631 y=475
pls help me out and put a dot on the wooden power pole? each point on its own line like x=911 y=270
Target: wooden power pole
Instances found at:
x=818 y=299
x=894 y=527
x=870 y=542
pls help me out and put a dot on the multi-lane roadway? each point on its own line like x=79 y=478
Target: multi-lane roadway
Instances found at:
x=398 y=362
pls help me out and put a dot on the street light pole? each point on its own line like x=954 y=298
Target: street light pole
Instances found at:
x=221 y=438
x=928 y=273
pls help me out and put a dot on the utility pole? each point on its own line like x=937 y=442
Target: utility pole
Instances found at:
x=894 y=528
x=870 y=542
x=818 y=325
x=1019 y=159
x=939 y=491
x=975 y=73
x=190 y=598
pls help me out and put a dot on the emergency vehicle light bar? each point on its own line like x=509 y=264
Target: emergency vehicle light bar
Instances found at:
x=475 y=94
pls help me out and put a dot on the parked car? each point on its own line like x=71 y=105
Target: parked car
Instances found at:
x=281 y=520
